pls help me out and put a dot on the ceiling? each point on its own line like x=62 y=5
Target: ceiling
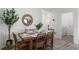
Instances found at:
x=60 y=10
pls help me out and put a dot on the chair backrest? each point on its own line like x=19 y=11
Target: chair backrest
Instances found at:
x=41 y=37
x=15 y=38
x=40 y=41
x=29 y=42
x=49 y=35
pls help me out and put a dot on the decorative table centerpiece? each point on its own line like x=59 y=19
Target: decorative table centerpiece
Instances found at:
x=39 y=26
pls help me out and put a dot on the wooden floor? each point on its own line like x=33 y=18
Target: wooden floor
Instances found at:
x=66 y=43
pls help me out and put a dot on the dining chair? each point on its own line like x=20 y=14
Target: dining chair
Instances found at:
x=49 y=40
x=18 y=44
x=40 y=41
x=29 y=41
x=34 y=43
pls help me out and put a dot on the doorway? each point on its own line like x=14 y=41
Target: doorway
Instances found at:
x=67 y=23
x=67 y=26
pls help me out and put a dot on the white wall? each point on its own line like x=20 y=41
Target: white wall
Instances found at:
x=76 y=26
x=3 y=31
x=48 y=17
x=58 y=26
x=35 y=13
x=75 y=38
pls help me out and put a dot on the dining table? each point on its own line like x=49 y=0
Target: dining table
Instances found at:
x=30 y=37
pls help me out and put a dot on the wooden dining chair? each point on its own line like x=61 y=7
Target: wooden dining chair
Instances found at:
x=18 y=44
x=29 y=41
x=40 y=41
x=34 y=43
x=49 y=40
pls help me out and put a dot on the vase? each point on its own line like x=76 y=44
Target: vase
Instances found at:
x=9 y=43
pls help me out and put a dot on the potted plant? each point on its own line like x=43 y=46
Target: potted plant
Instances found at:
x=39 y=25
x=9 y=17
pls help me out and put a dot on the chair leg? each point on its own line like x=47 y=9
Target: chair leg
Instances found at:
x=45 y=45
x=30 y=47
x=15 y=47
x=52 y=45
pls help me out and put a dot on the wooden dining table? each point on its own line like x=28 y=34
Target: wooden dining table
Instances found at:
x=27 y=37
